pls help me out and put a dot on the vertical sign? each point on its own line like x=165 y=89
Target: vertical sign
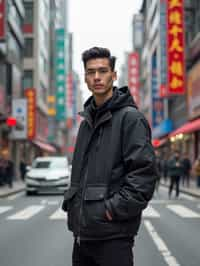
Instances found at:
x=162 y=50
x=157 y=102
x=175 y=47
x=19 y=111
x=69 y=100
x=2 y=18
x=31 y=112
x=60 y=75
x=133 y=76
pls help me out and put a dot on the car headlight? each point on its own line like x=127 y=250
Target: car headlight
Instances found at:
x=64 y=177
x=31 y=181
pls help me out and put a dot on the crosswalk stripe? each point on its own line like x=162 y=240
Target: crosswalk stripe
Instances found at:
x=150 y=212
x=58 y=215
x=26 y=213
x=5 y=209
x=183 y=212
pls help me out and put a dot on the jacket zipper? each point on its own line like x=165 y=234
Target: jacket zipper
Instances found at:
x=81 y=207
x=84 y=185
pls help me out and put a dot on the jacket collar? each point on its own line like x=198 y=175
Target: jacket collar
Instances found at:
x=105 y=117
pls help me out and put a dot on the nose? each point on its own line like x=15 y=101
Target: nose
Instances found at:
x=97 y=76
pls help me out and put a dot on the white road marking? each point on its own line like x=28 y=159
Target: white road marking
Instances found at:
x=53 y=202
x=183 y=212
x=13 y=197
x=26 y=213
x=58 y=215
x=5 y=209
x=150 y=212
x=159 y=201
x=43 y=202
x=188 y=197
x=162 y=247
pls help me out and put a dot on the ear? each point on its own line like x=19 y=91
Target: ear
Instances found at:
x=114 y=75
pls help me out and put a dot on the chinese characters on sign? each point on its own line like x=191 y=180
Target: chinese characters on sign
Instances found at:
x=133 y=76
x=162 y=49
x=2 y=19
x=175 y=47
x=60 y=74
x=31 y=103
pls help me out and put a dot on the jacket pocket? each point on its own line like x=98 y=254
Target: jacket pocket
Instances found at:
x=68 y=197
x=94 y=204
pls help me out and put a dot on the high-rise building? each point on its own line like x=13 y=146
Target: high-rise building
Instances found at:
x=11 y=71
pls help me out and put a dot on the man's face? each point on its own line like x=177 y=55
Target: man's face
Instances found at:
x=99 y=77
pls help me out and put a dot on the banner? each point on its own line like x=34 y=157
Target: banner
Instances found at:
x=175 y=47
x=31 y=112
x=60 y=75
x=162 y=49
x=19 y=111
x=157 y=102
x=2 y=19
x=134 y=76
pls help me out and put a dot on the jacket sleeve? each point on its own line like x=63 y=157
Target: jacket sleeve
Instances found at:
x=140 y=166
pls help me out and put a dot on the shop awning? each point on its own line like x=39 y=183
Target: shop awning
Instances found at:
x=187 y=128
x=44 y=146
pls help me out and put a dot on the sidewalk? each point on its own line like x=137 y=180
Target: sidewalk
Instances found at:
x=18 y=186
x=193 y=190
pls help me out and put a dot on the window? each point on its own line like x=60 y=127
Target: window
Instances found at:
x=28 y=79
x=28 y=6
x=28 y=49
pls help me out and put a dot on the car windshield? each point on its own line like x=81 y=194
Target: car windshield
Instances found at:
x=50 y=164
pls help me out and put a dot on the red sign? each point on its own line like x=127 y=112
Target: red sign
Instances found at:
x=133 y=76
x=2 y=18
x=11 y=121
x=31 y=113
x=175 y=48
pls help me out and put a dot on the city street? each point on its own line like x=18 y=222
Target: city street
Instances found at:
x=33 y=232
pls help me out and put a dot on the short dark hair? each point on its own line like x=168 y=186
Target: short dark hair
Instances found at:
x=98 y=52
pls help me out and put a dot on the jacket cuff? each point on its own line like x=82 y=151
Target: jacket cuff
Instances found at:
x=108 y=207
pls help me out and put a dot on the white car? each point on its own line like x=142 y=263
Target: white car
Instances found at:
x=48 y=174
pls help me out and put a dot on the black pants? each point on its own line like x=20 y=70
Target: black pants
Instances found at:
x=174 y=180
x=103 y=253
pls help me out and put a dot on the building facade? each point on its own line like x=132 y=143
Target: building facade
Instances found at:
x=12 y=14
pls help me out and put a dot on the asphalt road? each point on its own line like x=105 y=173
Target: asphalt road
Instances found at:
x=33 y=232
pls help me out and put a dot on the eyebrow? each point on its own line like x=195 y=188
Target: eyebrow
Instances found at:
x=99 y=68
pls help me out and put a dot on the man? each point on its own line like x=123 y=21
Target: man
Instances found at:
x=175 y=169
x=113 y=169
x=187 y=166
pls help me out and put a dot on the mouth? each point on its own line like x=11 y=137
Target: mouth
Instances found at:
x=98 y=86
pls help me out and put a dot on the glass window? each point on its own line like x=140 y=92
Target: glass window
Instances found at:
x=28 y=79
x=28 y=6
x=44 y=164
x=28 y=49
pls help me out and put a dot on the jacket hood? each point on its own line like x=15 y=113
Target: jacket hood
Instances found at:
x=121 y=98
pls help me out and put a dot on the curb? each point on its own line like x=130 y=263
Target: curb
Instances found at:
x=9 y=193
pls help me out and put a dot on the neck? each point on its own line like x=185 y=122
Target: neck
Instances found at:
x=100 y=100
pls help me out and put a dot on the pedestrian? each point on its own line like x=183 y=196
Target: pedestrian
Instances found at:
x=9 y=172
x=165 y=168
x=175 y=170
x=159 y=168
x=22 y=168
x=186 y=163
x=113 y=169
x=197 y=170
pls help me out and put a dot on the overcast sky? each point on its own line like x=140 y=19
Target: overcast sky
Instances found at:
x=105 y=23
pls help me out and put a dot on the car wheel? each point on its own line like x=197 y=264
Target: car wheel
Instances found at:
x=30 y=193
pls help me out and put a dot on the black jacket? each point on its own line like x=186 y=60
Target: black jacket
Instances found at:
x=113 y=168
